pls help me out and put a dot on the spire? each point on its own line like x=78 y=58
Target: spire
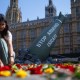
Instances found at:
x=14 y=3
x=50 y=10
x=50 y=2
x=13 y=13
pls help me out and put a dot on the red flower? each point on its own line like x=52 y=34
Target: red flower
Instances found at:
x=18 y=65
x=36 y=70
x=71 y=68
x=5 y=68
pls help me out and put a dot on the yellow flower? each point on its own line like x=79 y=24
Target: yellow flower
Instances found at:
x=49 y=70
x=5 y=73
x=21 y=73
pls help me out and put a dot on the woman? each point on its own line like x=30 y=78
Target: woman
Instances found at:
x=5 y=39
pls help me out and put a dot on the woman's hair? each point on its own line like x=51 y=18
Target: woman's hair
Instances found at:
x=5 y=31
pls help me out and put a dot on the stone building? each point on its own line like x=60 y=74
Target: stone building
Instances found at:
x=24 y=33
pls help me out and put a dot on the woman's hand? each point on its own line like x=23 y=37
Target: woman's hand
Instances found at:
x=1 y=64
x=11 y=60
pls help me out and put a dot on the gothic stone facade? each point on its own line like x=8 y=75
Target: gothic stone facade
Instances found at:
x=68 y=41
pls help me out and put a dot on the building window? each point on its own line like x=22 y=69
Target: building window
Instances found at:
x=57 y=42
x=67 y=51
x=22 y=34
x=77 y=11
x=24 y=44
x=66 y=40
x=78 y=27
x=14 y=36
x=75 y=40
x=78 y=40
x=32 y=33
x=78 y=50
x=66 y=28
x=14 y=46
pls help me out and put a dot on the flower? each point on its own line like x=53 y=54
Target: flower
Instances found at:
x=21 y=73
x=5 y=73
x=4 y=68
x=49 y=70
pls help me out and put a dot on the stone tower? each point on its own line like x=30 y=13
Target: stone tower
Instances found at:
x=75 y=17
x=50 y=10
x=13 y=13
x=75 y=8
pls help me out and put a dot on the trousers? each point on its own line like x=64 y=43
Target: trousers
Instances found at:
x=4 y=51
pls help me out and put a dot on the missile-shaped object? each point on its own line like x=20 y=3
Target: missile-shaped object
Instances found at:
x=42 y=46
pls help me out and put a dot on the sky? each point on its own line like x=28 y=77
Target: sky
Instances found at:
x=31 y=9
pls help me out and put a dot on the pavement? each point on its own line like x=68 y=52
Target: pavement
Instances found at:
x=32 y=77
